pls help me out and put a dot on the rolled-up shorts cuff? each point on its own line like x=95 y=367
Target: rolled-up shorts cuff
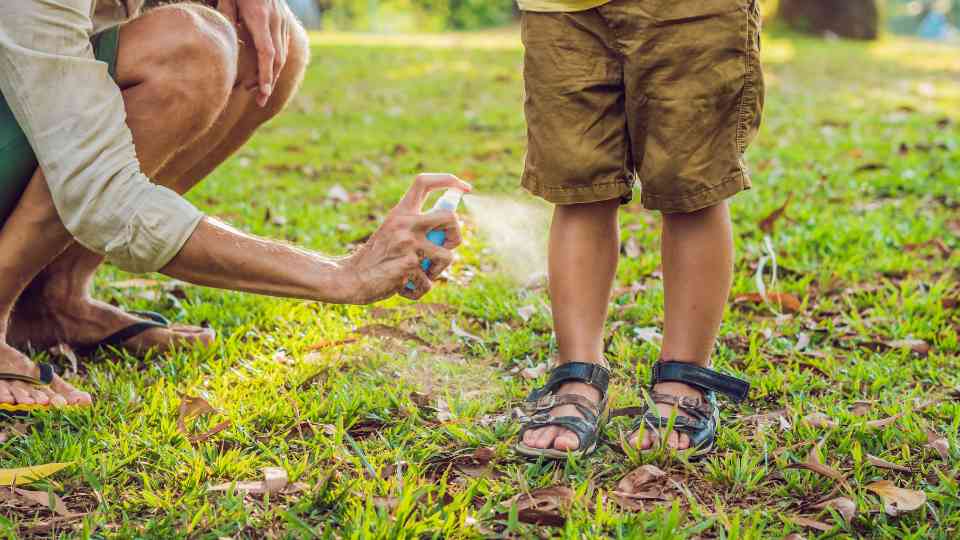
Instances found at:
x=697 y=201
x=602 y=190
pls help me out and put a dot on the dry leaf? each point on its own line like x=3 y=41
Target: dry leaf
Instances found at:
x=844 y=506
x=531 y=373
x=819 y=419
x=884 y=422
x=392 y=332
x=49 y=500
x=861 y=408
x=328 y=343
x=938 y=443
x=811 y=523
x=459 y=332
x=27 y=475
x=338 y=194
x=896 y=500
x=917 y=346
x=274 y=481
x=813 y=464
x=786 y=301
x=794 y=536
x=767 y=224
x=443 y=411
x=483 y=456
x=543 y=506
x=191 y=406
x=134 y=284
x=649 y=334
x=205 y=436
x=639 y=477
x=884 y=464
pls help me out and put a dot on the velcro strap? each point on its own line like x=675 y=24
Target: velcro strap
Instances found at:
x=701 y=377
x=684 y=403
x=680 y=423
x=547 y=403
x=46 y=376
x=595 y=375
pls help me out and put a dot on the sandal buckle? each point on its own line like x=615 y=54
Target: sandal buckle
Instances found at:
x=547 y=402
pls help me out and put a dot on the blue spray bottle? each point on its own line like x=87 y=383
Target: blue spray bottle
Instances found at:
x=449 y=201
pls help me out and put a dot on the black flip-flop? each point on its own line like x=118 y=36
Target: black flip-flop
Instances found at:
x=118 y=338
x=704 y=415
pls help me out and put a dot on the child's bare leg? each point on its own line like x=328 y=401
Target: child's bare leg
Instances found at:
x=697 y=251
x=584 y=247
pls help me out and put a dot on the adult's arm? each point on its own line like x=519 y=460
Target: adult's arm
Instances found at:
x=73 y=115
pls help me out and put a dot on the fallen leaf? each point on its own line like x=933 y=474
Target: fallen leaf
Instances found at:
x=27 y=475
x=274 y=481
x=388 y=504
x=884 y=464
x=897 y=500
x=767 y=224
x=649 y=334
x=811 y=523
x=870 y=167
x=329 y=343
x=786 y=301
x=813 y=464
x=531 y=373
x=459 y=332
x=818 y=420
x=542 y=506
x=392 y=332
x=631 y=248
x=843 y=505
x=443 y=411
x=638 y=478
x=939 y=443
x=861 y=408
x=338 y=194
x=794 y=536
x=917 y=346
x=884 y=422
x=937 y=243
x=205 y=436
x=526 y=312
x=191 y=406
x=50 y=500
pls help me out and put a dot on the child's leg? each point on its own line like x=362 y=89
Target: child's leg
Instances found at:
x=697 y=251
x=584 y=247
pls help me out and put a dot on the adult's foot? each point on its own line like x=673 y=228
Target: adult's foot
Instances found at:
x=43 y=321
x=556 y=437
x=59 y=393
x=676 y=440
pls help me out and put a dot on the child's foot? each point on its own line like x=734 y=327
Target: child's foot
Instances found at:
x=676 y=440
x=556 y=437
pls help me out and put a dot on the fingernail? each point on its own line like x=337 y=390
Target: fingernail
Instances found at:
x=266 y=89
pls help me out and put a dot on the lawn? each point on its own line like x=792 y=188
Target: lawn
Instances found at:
x=393 y=420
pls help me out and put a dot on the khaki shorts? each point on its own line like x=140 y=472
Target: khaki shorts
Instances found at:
x=669 y=92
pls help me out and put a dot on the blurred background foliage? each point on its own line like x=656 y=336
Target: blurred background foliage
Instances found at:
x=932 y=19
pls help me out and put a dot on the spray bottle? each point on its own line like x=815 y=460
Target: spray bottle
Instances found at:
x=449 y=201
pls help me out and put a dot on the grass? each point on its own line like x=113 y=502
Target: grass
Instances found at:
x=863 y=136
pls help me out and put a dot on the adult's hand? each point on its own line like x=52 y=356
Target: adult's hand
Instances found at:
x=270 y=31
x=391 y=257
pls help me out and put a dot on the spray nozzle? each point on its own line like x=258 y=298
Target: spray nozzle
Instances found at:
x=450 y=200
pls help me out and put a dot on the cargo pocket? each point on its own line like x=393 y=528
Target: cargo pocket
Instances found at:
x=751 y=103
x=682 y=10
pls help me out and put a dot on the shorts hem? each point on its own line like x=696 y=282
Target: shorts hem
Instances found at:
x=606 y=190
x=697 y=201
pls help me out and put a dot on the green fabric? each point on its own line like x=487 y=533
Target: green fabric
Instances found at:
x=17 y=160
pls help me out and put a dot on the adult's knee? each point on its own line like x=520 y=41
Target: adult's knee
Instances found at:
x=192 y=59
x=291 y=75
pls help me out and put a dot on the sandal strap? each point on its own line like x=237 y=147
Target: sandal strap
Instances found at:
x=703 y=378
x=595 y=375
x=585 y=430
x=680 y=423
x=46 y=376
x=586 y=406
x=684 y=403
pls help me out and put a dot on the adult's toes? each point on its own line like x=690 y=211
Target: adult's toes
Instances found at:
x=567 y=440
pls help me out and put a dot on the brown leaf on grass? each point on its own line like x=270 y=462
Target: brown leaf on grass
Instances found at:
x=813 y=464
x=843 y=505
x=526 y=312
x=937 y=243
x=391 y=332
x=811 y=523
x=897 y=500
x=443 y=411
x=205 y=436
x=794 y=536
x=884 y=422
x=860 y=408
x=767 y=224
x=939 y=443
x=190 y=407
x=330 y=343
x=638 y=478
x=917 y=346
x=50 y=500
x=819 y=420
x=338 y=194
x=274 y=481
x=542 y=506
x=787 y=302
x=884 y=464
x=461 y=333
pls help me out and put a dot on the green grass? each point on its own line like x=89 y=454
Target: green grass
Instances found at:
x=374 y=112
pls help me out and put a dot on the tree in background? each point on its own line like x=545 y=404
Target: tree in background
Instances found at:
x=855 y=19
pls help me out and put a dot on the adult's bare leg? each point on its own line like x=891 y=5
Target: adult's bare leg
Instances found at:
x=65 y=311
x=174 y=86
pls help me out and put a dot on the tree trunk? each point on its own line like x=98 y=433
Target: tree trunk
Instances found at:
x=855 y=19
